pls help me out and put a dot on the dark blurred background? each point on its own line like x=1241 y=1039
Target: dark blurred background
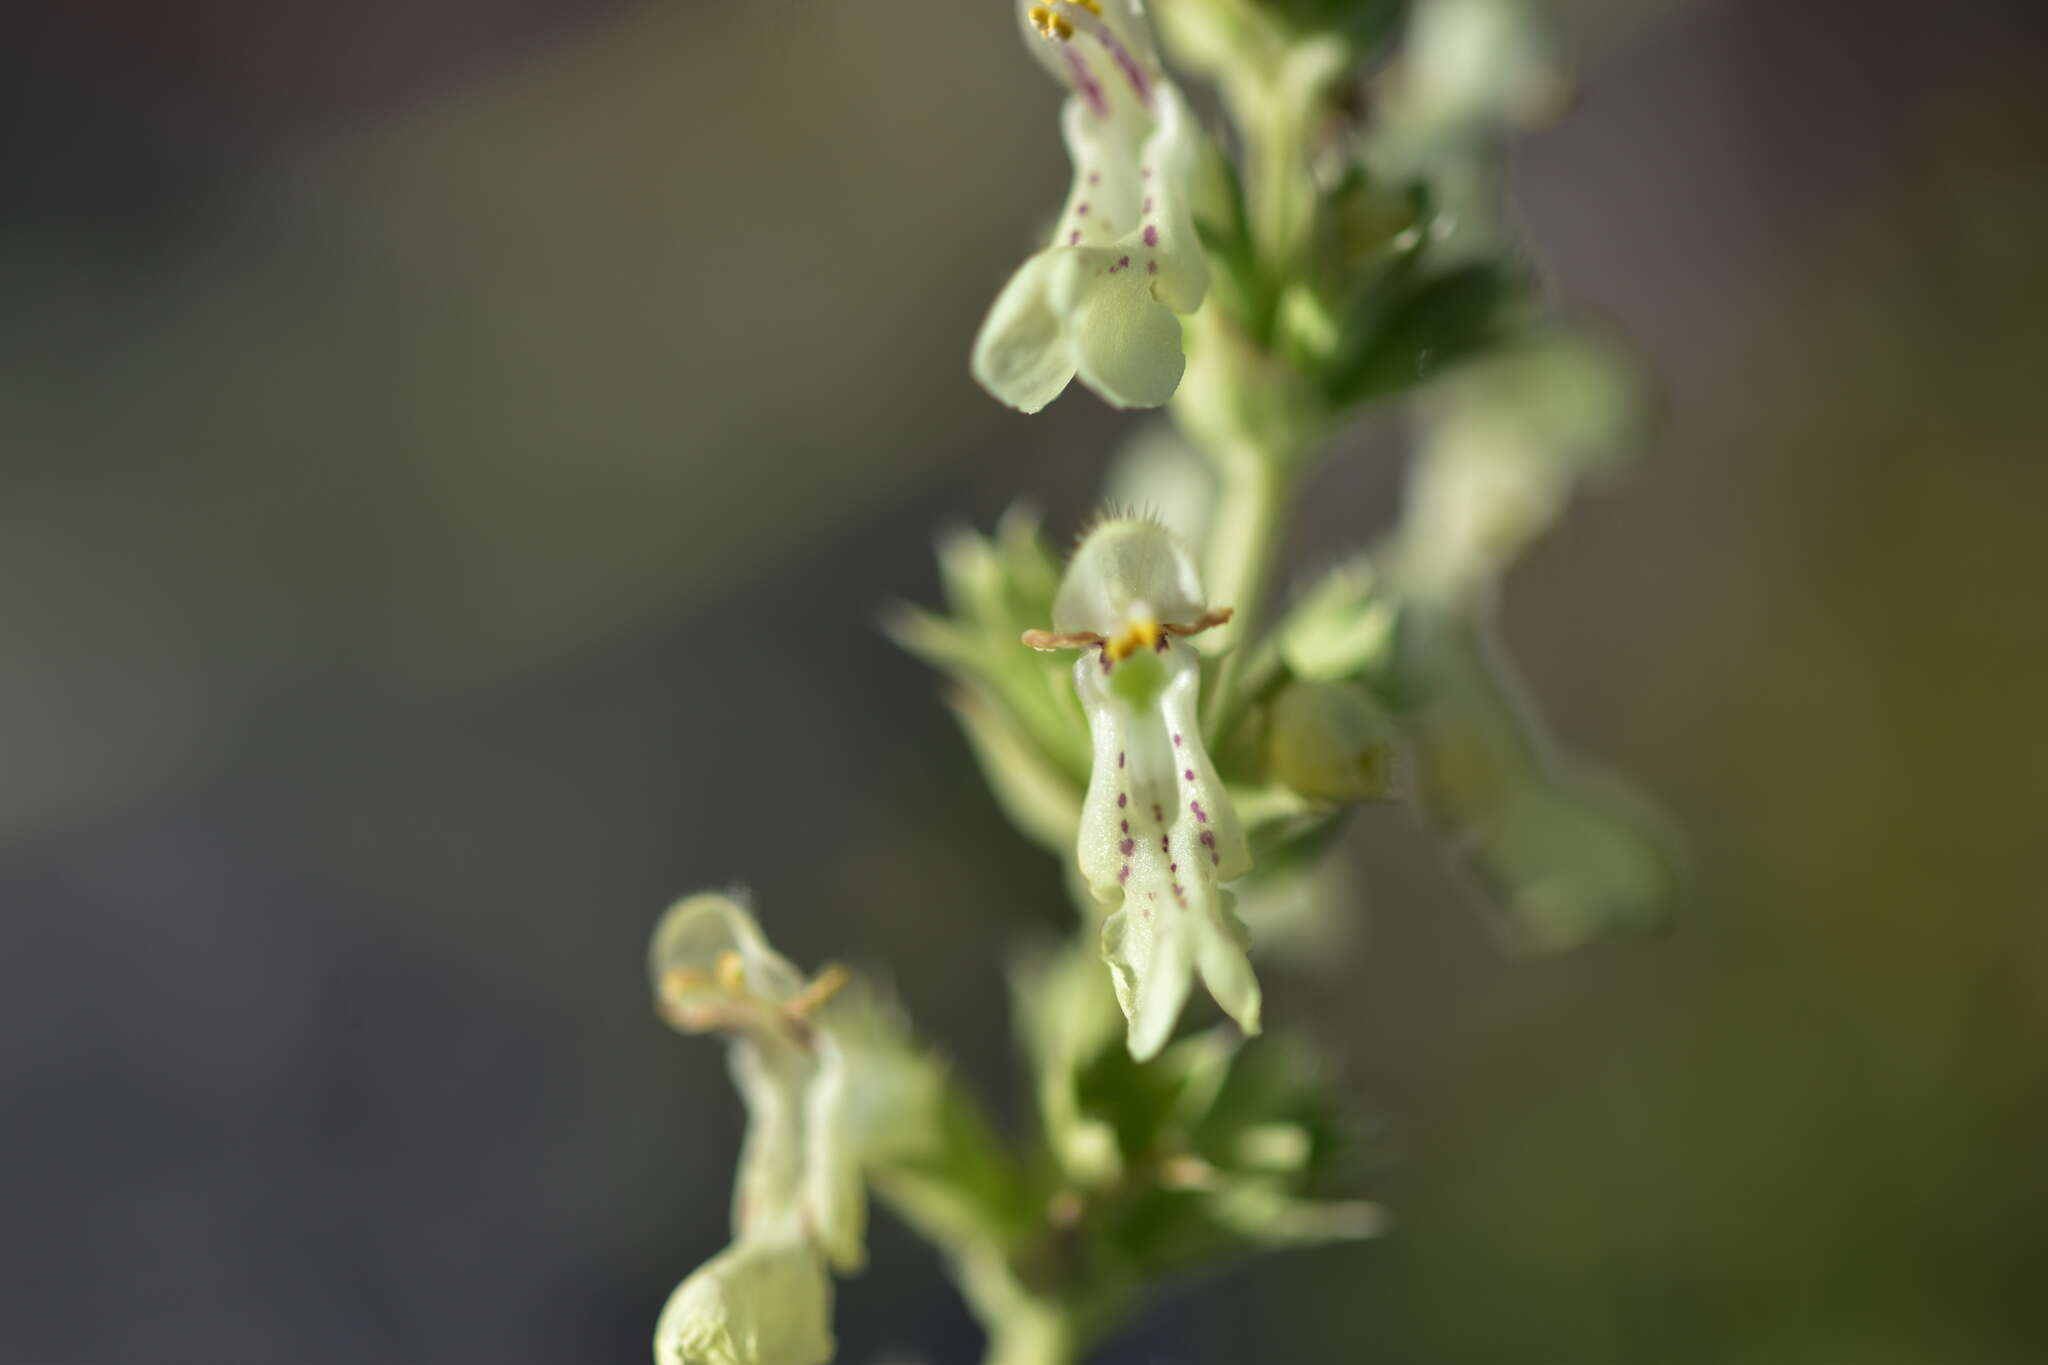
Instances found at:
x=453 y=457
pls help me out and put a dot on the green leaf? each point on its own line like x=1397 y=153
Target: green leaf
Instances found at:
x=1237 y=280
x=1067 y=1018
x=1040 y=797
x=1409 y=327
x=1365 y=24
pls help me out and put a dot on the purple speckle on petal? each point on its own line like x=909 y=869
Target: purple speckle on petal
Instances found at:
x=1163 y=847
x=1188 y=773
x=1122 y=799
x=1119 y=758
x=1200 y=814
x=1148 y=204
x=1124 y=873
x=1074 y=237
x=1133 y=73
x=1122 y=261
x=1126 y=847
x=1176 y=737
x=1151 y=235
x=1084 y=81
x=1095 y=177
x=1126 y=824
x=1209 y=838
x=1151 y=267
x=1081 y=208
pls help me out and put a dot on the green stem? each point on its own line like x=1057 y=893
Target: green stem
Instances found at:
x=1045 y=1336
x=1026 y=1324
x=968 y=1196
x=1278 y=203
x=1243 y=550
x=1277 y=102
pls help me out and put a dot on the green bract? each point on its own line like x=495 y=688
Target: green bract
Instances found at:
x=1016 y=707
x=1101 y=299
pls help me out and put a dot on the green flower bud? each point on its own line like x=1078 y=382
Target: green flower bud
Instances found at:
x=1330 y=741
x=756 y=1303
x=1278 y=1148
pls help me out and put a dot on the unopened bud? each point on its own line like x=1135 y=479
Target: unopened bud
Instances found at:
x=1331 y=741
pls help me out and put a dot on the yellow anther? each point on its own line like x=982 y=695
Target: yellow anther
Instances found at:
x=732 y=972
x=678 y=982
x=1050 y=24
x=1138 y=635
x=1094 y=7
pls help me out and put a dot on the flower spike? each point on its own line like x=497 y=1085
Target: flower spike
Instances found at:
x=1159 y=835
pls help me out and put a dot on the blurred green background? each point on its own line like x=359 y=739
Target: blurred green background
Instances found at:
x=452 y=455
